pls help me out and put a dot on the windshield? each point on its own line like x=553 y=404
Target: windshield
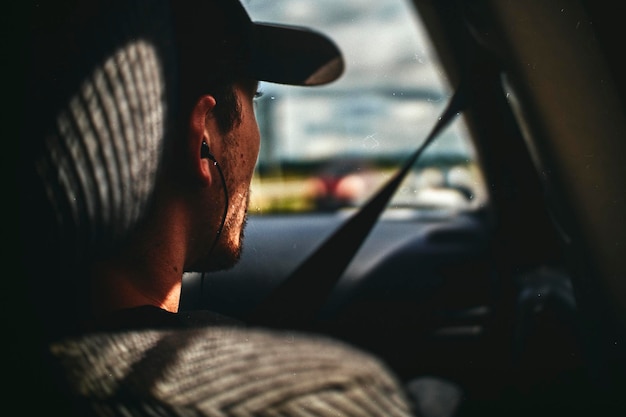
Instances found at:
x=331 y=147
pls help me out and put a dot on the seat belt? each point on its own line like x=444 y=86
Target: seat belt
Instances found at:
x=296 y=301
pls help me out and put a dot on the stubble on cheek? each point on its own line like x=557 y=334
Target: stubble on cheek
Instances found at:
x=232 y=246
x=240 y=217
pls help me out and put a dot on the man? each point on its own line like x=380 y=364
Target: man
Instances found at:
x=138 y=171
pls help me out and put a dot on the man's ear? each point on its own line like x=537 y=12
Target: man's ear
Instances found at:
x=201 y=129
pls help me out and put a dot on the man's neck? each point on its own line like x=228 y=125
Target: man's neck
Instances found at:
x=148 y=270
x=117 y=286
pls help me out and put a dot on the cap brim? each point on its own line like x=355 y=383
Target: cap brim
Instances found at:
x=293 y=55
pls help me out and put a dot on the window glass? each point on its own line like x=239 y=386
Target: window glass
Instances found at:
x=331 y=147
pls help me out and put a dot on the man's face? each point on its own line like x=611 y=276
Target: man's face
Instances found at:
x=240 y=149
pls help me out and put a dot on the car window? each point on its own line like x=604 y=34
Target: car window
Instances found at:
x=331 y=147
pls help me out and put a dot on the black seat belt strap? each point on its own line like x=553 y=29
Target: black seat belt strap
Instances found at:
x=301 y=295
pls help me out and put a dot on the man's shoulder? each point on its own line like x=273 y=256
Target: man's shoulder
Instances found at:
x=224 y=370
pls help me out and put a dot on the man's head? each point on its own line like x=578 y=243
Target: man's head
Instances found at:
x=125 y=93
x=116 y=78
x=221 y=56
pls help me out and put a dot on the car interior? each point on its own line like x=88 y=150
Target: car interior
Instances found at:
x=512 y=294
x=454 y=204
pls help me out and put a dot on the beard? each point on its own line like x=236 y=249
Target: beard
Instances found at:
x=228 y=253
x=228 y=245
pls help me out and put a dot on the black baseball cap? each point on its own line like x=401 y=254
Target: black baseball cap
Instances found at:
x=277 y=53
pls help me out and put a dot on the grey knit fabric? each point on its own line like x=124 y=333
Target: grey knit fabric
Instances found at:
x=226 y=371
x=100 y=165
x=101 y=83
